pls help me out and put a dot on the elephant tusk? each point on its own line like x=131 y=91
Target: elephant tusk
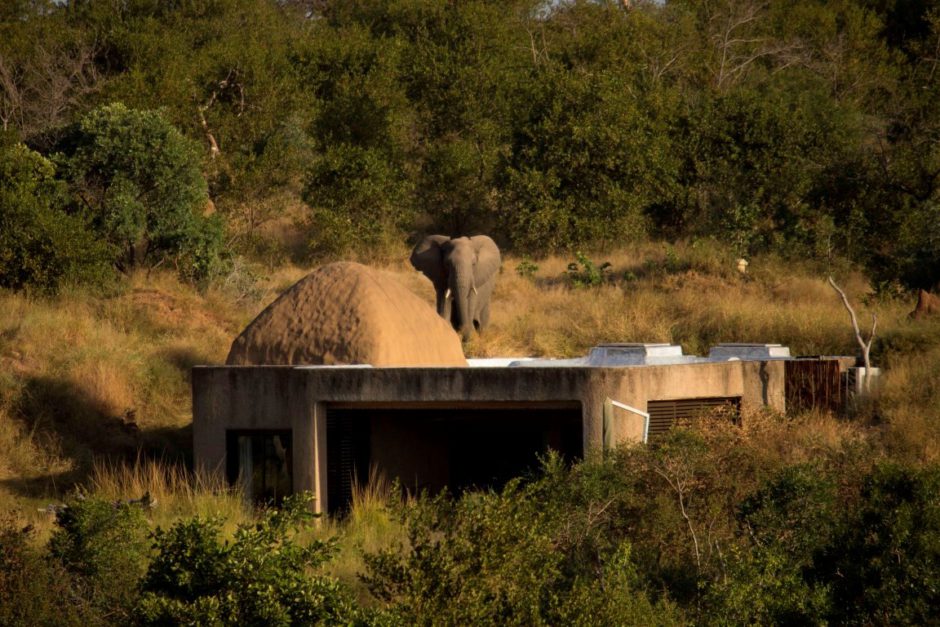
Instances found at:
x=474 y=288
x=447 y=294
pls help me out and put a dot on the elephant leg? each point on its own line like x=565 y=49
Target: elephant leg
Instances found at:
x=484 y=317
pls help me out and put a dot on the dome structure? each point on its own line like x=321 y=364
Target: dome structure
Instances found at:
x=347 y=313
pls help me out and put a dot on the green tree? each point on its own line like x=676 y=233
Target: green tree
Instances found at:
x=357 y=186
x=538 y=552
x=41 y=246
x=137 y=180
x=884 y=562
x=104 y=546
x=265 y=576
x=586 y=160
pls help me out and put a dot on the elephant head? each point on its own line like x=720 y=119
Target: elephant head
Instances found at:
x=463 y=271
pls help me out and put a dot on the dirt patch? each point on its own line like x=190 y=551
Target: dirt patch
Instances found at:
x=928 y=305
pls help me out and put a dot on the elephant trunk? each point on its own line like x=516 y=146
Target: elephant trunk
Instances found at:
x=461 y=287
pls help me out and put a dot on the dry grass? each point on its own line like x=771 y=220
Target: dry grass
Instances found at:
x=174 y=490
x=909 y=405
x=75 y=370
x=72 y=367
x=370 y=526
x=692 y=296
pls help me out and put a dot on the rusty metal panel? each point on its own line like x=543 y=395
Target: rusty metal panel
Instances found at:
x=813 y=384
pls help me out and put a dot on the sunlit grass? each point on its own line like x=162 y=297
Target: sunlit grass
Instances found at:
x=369 y=526
x=75 y=369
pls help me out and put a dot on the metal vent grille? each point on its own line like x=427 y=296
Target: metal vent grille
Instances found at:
x=665 y=414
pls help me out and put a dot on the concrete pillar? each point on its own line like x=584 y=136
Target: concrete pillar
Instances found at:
x=308 y=425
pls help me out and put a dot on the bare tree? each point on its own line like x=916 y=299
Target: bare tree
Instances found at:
x=735 y=32
x=229 y=84
x=865 y=345
x=38 y=93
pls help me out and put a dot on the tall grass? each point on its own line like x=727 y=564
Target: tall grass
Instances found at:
x=370 y=526
x=174 y=490
x=74 y=370
x=691 y=296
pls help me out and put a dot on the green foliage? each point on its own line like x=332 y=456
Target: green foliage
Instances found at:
x=137 y=181
x=34 y=589
x=41 y=246
x=804 y=128
x=583 y=164
x=751 y=159
x=265 y=575
x=789 y=518
x=884 y=561
x=356 y=201
x=103 y=545
x=506 y=558
x=356 y=187
x=527 y=268
x=585 y=273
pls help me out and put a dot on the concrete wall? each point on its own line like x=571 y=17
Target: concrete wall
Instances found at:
x=297 y=398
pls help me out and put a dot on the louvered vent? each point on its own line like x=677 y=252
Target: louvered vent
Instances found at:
x=665 y=414
x=339 y=455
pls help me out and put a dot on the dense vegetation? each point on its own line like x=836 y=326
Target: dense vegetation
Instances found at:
x=807 y=127
x=782 y=519
x=162 y=165
x=706 y=527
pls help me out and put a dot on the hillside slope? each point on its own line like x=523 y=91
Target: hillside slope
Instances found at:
x=83 y=376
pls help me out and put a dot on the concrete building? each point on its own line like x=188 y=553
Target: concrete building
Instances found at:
x=279 y=429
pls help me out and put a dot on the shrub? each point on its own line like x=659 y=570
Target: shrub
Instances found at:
x=356 y=197
x=103 y=545
x=527 y=268
x=884 y=564
x=585 y=273
x=137 y=179
x=33 y=589
x=266 y=575
x=525 y=555
x=789 y=519
x=40 y=245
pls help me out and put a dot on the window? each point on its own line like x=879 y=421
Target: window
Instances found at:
x=260 y=463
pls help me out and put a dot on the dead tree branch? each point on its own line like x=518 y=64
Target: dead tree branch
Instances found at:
x=865 y=345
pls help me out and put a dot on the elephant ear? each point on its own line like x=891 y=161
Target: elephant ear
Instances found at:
x=427 y=257
x=488 y=259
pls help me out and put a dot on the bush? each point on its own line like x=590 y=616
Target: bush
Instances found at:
x=586 y=161
x=884 y=564
x=35 y=590
x=585 y=273
x=266 y=575
x=103 y=545
x=41 y=246
x=521 y=556
x=356 y=198
x=138 y=182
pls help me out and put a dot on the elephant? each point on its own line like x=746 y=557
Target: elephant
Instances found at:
x=463 y=271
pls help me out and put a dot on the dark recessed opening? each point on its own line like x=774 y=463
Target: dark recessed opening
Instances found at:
x=260 y=464
x=435 y=448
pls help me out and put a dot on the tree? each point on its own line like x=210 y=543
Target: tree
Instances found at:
x=41 y=246
x=264 y=576
x=585 y=161
x=137 y=181
x=47 y=72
